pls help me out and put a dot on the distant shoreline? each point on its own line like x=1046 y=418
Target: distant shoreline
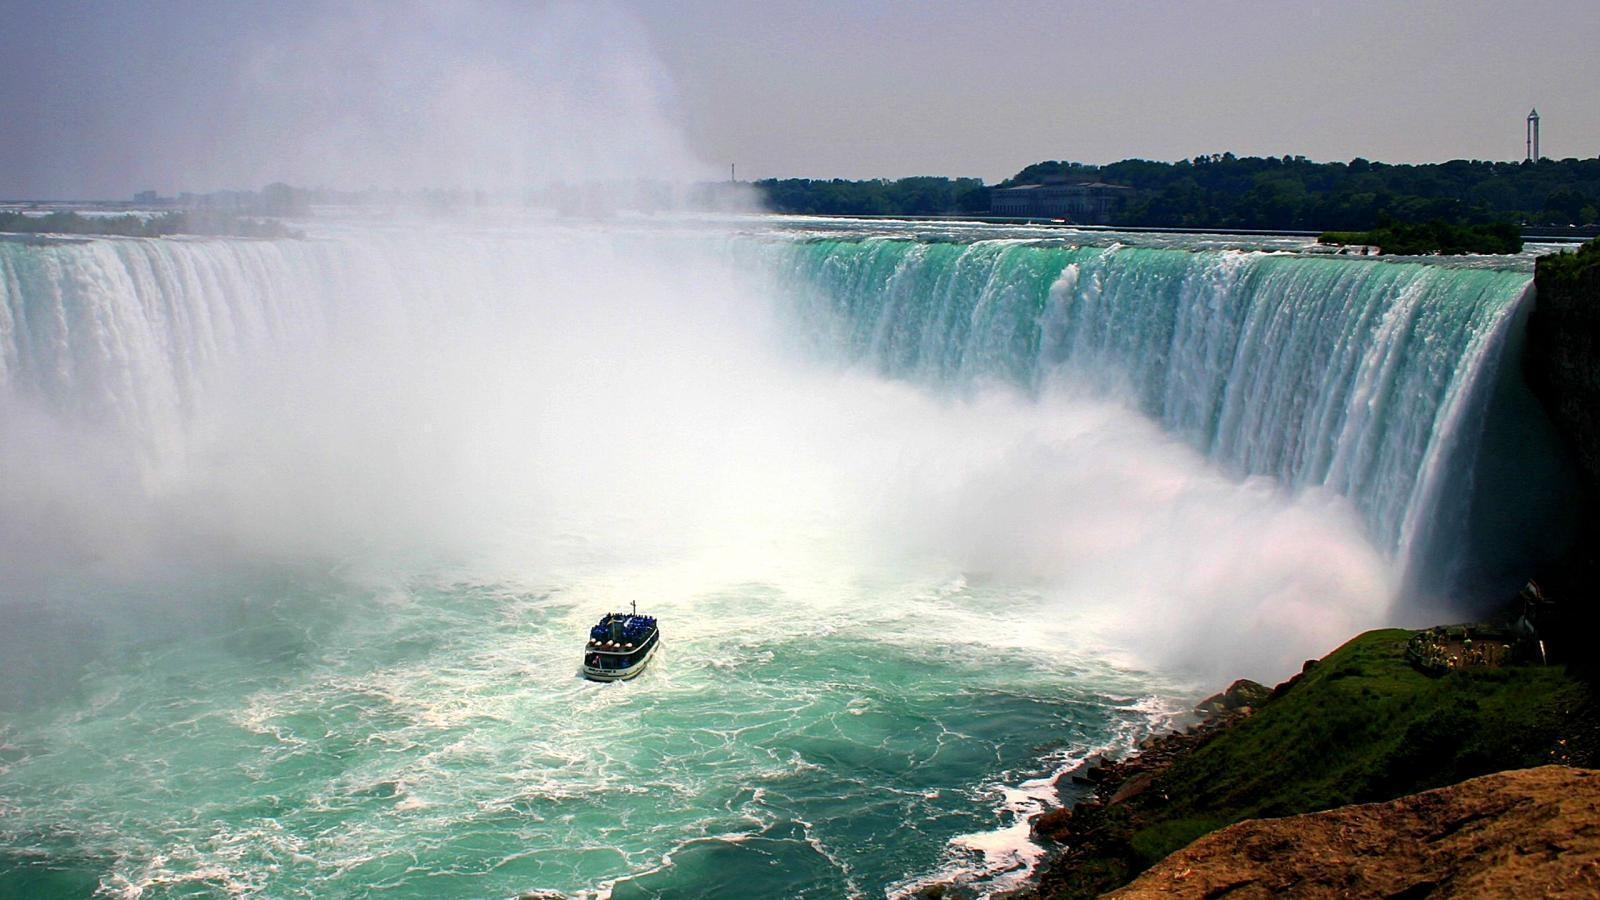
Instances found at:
x=1543 y=235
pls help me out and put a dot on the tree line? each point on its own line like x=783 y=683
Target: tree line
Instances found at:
x=917 y=196
x=130 y=225
x=1227 y=191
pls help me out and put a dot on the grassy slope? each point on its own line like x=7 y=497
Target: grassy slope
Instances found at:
x=1362 y=725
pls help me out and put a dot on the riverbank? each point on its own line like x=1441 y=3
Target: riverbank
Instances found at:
x=1364 y=724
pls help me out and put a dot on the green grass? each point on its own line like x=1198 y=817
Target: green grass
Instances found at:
x=1361 y=726
x=1151 y=844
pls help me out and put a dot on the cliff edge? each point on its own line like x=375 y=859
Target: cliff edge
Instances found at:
x=1373 y=721
x=1561 y=358
x=1525 y=833
x=1561 y=362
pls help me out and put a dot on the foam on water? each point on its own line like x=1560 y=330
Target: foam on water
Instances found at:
x=303 y=538
x=443 y=731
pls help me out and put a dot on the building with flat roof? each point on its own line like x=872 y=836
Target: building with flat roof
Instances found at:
x=1087 y=203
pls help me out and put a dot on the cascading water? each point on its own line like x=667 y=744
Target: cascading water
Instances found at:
x=299 y=541
x=1361 y=377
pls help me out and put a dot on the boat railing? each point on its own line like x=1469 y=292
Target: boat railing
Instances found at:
x=620 y=649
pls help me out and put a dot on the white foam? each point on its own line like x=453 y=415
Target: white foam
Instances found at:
x=996 y=861
x=491 y=438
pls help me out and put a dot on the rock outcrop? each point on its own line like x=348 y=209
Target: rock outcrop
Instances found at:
x=1524 y=833
x=1241 y=696
x=1361 y=725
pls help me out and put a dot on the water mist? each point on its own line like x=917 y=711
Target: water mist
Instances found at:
x=323 y=520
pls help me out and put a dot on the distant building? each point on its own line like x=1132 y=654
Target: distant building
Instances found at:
x=146 y=198
x=1091 y=203
x=1533 y=136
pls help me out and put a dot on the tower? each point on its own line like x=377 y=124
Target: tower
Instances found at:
x=1533 y=136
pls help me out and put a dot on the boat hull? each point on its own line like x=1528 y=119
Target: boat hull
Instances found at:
x=622 y=673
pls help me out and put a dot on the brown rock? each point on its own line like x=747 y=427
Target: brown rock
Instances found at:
x=1527 y=833
x=1054 y=825
x=1133 y=787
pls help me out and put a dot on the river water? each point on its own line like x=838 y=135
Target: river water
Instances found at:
x=301 y=539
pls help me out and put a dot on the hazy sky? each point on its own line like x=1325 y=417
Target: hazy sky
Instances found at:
x=103 y=99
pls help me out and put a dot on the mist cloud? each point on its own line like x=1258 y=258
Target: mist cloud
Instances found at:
x=497 y=97
x=475 y=97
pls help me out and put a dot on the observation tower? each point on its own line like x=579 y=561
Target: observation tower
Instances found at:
x=1533 y=136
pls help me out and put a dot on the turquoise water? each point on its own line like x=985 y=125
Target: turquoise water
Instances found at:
x=300 y=540
x=435 y=740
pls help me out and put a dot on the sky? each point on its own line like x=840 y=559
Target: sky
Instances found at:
x=102 y=99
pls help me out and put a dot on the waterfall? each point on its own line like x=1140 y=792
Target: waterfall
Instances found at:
x=1365 y=377
x=299 y=539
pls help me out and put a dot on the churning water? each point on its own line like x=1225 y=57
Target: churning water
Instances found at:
x=300 y=540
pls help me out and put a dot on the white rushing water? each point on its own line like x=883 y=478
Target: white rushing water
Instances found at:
x=299 y=541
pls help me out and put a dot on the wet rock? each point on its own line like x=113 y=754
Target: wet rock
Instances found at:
x=1132 y=788
x=1054 y=825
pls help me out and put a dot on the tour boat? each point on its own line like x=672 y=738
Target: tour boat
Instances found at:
x=620 y=646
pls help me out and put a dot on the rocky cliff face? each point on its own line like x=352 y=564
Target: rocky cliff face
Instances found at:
x=1526 y=833
x=1561 y=360
x=1562 y=354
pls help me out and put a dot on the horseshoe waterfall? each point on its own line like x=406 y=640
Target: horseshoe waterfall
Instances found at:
x=300 y=539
